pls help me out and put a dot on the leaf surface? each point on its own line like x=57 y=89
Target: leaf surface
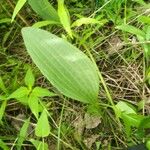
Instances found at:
x=19 y=93
x=64 y=17
x=19 y=5
x=23 y=133
x=43 y=128
x=131 y=29
x=29 y=79
x=44 y=9
x=33 y=103
x=65 y=66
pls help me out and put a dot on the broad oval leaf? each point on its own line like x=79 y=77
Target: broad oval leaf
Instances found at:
x=65 y=66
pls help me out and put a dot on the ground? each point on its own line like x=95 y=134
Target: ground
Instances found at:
x=120 y=56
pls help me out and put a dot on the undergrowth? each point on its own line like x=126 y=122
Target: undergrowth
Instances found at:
x=74 y=74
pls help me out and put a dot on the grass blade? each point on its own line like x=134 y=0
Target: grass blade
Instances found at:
x=132 y=30
x=2 y=110
x=23 y=134
x=64 y=17
x=3 y=145
x=19 y=5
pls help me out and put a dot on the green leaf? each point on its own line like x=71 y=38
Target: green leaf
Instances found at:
x=23 y=134
x=148 y=33
x=131 y=120
x=145 y=123
x=19 y=93
x=131 y=29
x=29 y=79
x=44 y=9
x=64 y=17
x=144 y=19
x=65 y=66
x=5 y=20
x=86 y=21
x=2 y=98
x=148 y=144
x=126 y=108
x=2 y=110
x=43 y=128
x=140 y=2
x=39 y=145
x=3 y=145
x=41 y=92
x=19 y=5
x=33 y=103
x=2 y=86
x=45 y=23
x=23 y=100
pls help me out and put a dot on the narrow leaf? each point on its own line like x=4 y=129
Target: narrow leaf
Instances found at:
x=44 y=23
x=22 y=134
x=132 y=30
x=2 y=98
x=39 y=145
x=144 y=19
x=41 y=92
x=19 y=93
x=2 y=109
x=3 y=145
x=86 y=21
x=65 y=66
x=19 y=5
x=140 y=2
x=2 y=86
x=64 y=17
x=33 y=103
x=5 y=20
x=44 y=9
x=29 y=79
x=43 y=128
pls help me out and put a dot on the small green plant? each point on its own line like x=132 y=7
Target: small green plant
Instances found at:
x=30 y=96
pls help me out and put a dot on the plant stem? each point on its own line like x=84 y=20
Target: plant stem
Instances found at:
x=59 y=127
x=101 y=78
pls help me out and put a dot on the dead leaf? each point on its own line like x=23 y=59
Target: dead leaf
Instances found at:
x=115 y=45
x=79 y=125
x=91 y=121
x=89 y=141
x=18 y=121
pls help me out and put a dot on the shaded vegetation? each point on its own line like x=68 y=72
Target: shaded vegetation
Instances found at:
x=48 y=102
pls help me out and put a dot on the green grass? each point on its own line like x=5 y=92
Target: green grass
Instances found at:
x=116 y=39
